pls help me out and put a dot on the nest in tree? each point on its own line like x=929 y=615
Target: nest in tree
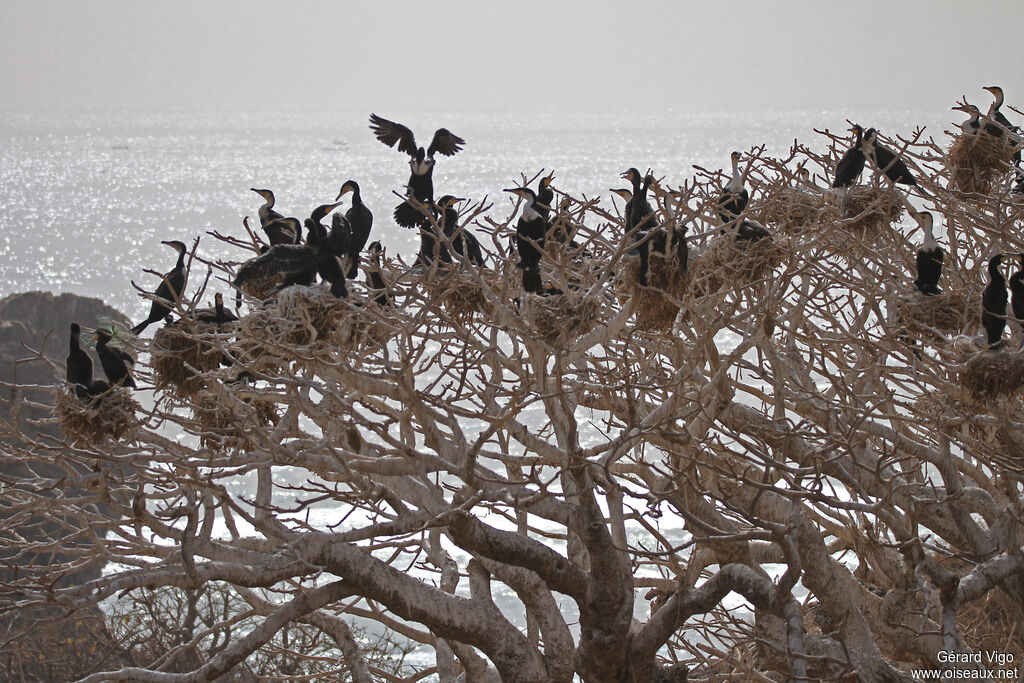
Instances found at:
x=727 y=262
x=227 y=422
x=560 y=319
x=366 y=327
x=864 y=212
x=941 y=314
x=181 y=351
x=992 y=374
x=975 y=161
x=790 y=210
x=298 y=315
x=458 y=292
x=109 y=415
x=655 y=306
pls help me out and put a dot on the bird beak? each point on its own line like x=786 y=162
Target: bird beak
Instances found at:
x=515 y=190
x=344 y=191
x=550 y=177
x=167 y=242
x=625 y=176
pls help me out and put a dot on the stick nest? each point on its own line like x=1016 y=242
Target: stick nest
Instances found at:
x=560 y=319
x=458 y=292
x=227 y=422
x=727 y=262
x=941 y=314
x=790 y=210
x=866 y=211
x=298 y=315
x=992 y=374
x=178 y=347
x=975 y=161
x=656 y=305
x=109 y=415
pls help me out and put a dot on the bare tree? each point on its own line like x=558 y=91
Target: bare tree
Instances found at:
x=781 y=463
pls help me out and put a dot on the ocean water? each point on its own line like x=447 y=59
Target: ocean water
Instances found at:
x=85 y=199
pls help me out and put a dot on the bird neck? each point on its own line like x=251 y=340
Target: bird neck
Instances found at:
x=181 y=260
x=929 y=243
x=994 y=274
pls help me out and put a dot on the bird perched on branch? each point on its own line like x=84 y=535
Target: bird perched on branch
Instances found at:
x=929 y=257
x=993 y=304
x=851 y=165
x=421 y=182
x=379 y=292
x=973 y=125
x=169 y=290
x=278 y=228
x=1017 y=293
x=78 y=363
x=360 y=221
x=316 y=231
x=993 y=109
x=116 y=362
x=298 y=264
x=734 y=195
x=545 y=195
x=885 y=160
x=463 y=242
x=530 y=230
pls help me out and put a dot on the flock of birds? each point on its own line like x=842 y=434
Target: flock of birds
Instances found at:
x=334 y=253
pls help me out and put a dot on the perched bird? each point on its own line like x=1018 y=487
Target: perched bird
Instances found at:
x=169 y=291
x=530 y=230
x=639 y=245
x=885 y=160
x=278 y=228
x=295 y=264
x=463 y=242
x=639 y=214
x=734 y=195
x=421 y=183
x=315 y=229
x=973 y=125
x=851 y=165
x=993 y=304
x=929 y=258
x=115 y=361
x=1017 y=293
x=217 y=315
x=433 y=248
x=545 y=195
x=993 y=109
x=752 y=230
x=375 y=281
x=360 y=221
x=78 y=363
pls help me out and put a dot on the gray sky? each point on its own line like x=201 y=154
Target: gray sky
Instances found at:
x=131 y=54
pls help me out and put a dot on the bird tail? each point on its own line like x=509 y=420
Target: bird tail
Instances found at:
x=140 y=327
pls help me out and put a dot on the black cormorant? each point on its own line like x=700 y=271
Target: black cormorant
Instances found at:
x=639 y=214
x=278 y=228
x=545 y=195
x=640 y=242
x=851 y=165
x=116 y=362
x=734 y=196
x=375 y=281
x=78 y=363
x=169 y=291
x=885 y=160
x=217 y=315
x=296 y=264
x=464 y=243
x=929 y=257
x=1017 y=293
x=421 y=183
x=993 y=109
x=530 y=230
x=315 y=229
x=993 y=304
x=360 y=221
x=752 y=230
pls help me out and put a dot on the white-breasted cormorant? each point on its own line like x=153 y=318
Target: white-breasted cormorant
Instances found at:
x=885 y=160
x=421 y=182
x=851 y=165
x=115 y=361
x=530 y=230
x=734 y=195
x=78 y=363
x=360 y=221
x=379 y=292
x=169 y=291
x=974 y=124
x=993 y=304
x=929 y=257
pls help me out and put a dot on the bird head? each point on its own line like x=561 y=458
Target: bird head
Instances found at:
x=632 y=175
x=735 y=157
x=448 y=201
x=349 y=186
x=176 y=245
x=524 y=192
x=996 y=91
x=623 y=192
x=75 y=330
x=855 y=128
x=547 y=180
x=102 y=335
x=218 y=299
x=966 y=108
x=266 y=194
x=375 y=248
x=321 y=211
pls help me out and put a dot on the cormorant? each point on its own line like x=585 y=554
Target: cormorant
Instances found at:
x=1017 y=292
x=432 y=248
x=462 y=240
x=315 y=229
x=734 y=196
x=640 y=241
x=639 y=213
x=421 y=183
x=78 y=363
x=279 y=229
x=929 y=258
x=993 y=304
x=530 y=230
x=752 y=230
x=360 y=220
x=886 y=160
x=378 y=288
x=116 y=362
x=217 y=315
x=169 y=291
x=297 y=264
x=993 y=109
x=545 y=195
x=851 y=165
x=973 y=125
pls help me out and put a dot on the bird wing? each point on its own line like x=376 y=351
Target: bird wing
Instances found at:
x=445 y=142
x=390 y=133
x=340 y=236
x=280 y=260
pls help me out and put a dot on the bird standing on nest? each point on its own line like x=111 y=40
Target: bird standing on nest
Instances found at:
x=885 y=160
x=421 y=162
x=973 y=125
x=360 y=221
x=998 y=117
x=734 y=195
x=929 y=258
x=169 y=291
x=116 y=362
x=993 y=304
x=79 y=367
x=851 y=165
x=217 y=315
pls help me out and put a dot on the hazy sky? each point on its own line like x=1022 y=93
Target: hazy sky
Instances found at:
x=519 y=54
